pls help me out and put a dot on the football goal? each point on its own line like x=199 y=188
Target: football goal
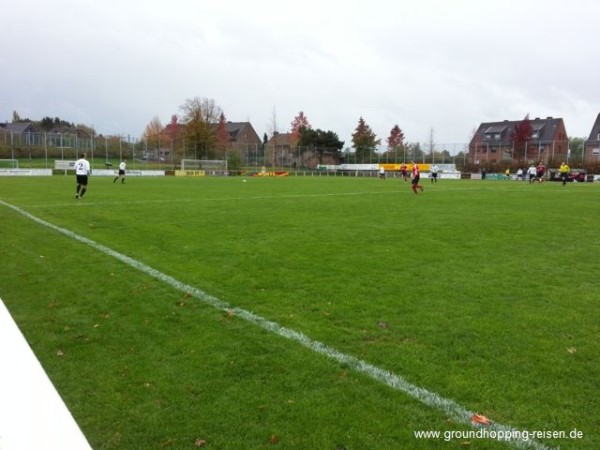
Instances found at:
x=209 y=166
x=9 y=163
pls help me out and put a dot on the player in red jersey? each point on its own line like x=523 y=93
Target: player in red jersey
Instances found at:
x=416 y=176
x=403 y=169
x=540 y=171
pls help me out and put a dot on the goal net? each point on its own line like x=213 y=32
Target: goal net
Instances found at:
x=9 y=163
x=209 y=166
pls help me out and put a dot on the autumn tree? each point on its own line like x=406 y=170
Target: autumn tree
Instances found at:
x=364 y=141
x=222 y=135
x=519 y=137
x=152 y=133
x=395 y=141
x=300 y=121
x=199 y=115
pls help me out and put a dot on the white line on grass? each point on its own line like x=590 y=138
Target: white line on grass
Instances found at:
x=429 y=398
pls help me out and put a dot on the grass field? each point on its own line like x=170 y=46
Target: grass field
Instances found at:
x=482 y=293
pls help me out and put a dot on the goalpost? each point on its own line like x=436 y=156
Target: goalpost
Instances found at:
x=9 y=163
x=208 y=166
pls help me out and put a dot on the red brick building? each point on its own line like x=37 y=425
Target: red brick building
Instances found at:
x=592 y=145
x=493 y=142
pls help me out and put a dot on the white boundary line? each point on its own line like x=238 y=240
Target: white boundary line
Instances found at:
x=32 y=413
x=429 y=398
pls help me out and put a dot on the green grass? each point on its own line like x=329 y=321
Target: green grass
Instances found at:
x=484 y=292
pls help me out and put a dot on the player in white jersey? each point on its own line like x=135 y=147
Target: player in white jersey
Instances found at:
x=121 y=174
x=82 y=171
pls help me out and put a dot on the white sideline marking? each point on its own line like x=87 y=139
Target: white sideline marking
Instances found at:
x=32 y=414
x=429 y=398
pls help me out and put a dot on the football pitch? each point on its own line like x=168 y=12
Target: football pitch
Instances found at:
x=311 y=312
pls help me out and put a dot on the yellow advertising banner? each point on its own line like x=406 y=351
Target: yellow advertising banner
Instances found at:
x=190 y=173
x=390 y=167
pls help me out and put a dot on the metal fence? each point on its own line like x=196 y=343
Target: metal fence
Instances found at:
x=42 y=149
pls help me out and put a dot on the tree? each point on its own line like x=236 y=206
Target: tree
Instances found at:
x=222 y=135
x=300 y=121
x=320 y=142
x=199 y=115
x=16 y=117
x=46 y=124
x=431 y=145
x=395 y=141
x=520 y=136
x=576 y=146
x=364 y=141
x=272 y=127
x=152 y=133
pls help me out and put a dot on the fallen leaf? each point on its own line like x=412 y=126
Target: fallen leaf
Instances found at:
x=478 y=419
x=199 y=442
x=60 y=353
x=572 y=350
x=274 y=439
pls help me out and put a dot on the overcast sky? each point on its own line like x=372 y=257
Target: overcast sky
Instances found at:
x=426 y=65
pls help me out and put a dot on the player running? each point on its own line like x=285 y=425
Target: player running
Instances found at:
x=416 y=176
x=403 y=169
x=82 y=171
x=121 y=173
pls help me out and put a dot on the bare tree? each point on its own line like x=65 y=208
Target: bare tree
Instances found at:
x=199 y=117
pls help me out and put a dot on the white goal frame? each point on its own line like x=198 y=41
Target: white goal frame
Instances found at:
x=14 y=165
x=208 y=166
